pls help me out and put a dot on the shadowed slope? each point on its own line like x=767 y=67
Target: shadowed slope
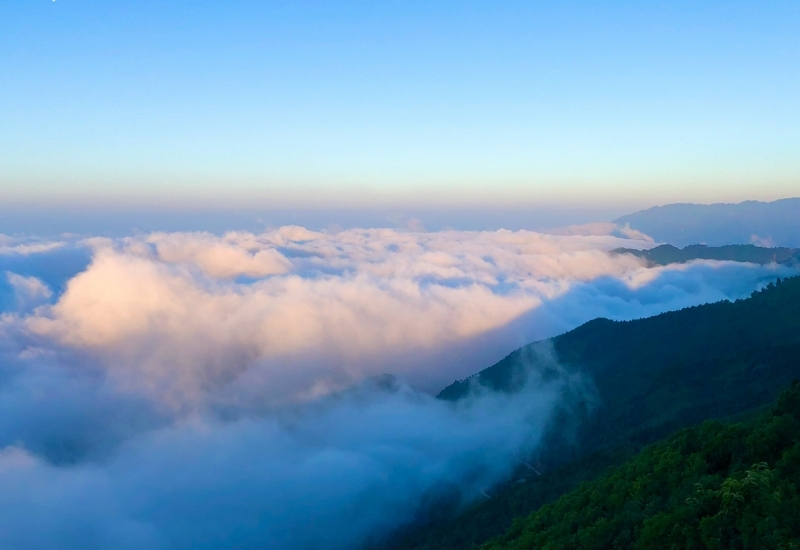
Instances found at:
x=651 y=377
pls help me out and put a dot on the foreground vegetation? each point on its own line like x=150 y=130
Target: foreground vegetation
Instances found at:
x=714 y=486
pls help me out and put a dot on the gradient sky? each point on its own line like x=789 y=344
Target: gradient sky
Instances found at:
x=369 y=103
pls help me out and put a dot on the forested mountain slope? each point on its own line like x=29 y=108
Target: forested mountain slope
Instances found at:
x=682 y=366
x=650 y=377
x=713 y=486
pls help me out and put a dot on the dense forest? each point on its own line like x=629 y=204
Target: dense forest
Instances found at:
x=713 y=486
x=667 y=254
x=647 y=379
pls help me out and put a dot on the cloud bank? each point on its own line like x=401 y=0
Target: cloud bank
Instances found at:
x=189 y=390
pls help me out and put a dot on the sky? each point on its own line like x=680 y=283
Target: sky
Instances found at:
x=369 y=104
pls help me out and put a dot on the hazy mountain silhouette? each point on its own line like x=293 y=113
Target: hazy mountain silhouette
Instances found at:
x=766 y=223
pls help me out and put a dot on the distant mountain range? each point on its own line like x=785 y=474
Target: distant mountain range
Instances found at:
x=764 y=223
x=651 y=377
x=666 y=254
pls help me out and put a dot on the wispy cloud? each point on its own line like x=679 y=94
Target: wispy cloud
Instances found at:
x=25 y=246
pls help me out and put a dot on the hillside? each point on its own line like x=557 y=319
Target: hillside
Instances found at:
x=776 y=223
x=712 y=486
x=651 y=377
x=666 y=254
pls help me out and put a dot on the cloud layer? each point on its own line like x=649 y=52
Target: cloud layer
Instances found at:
x=189 y=390
x=308 y=312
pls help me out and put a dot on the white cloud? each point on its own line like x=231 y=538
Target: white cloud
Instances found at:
x=342 y=307
x=603 y=228
x=762 y=241
x=29 y=291
x=194 y=391
x=30 y=248
x=162 y=314
x=25 y=246
x=221 y=258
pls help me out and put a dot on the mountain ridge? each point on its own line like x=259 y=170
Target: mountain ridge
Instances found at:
x=666 y=254
x=652 y=376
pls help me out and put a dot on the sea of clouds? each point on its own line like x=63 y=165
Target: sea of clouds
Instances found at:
x=191 y=390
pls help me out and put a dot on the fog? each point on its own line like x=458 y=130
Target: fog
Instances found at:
x=193 y=390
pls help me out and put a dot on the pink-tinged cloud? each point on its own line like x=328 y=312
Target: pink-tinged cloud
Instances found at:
x=163 y=314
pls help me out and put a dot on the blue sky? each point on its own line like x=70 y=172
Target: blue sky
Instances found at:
x=375 y=103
